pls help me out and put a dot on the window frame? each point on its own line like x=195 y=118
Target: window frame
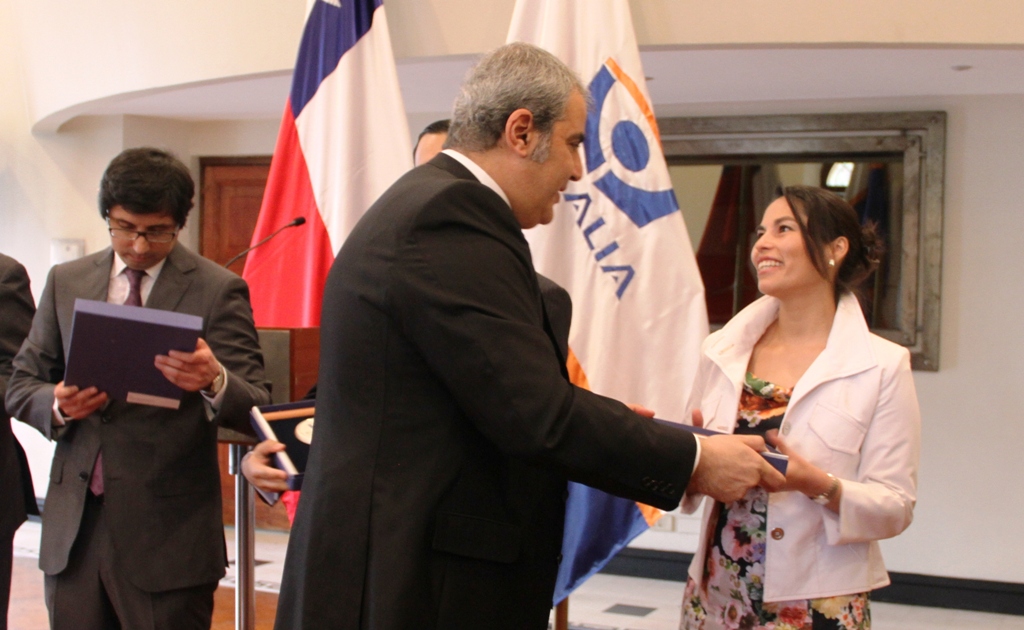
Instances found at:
x=920 y=137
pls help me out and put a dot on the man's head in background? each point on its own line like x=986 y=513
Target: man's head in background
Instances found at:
x=430 y=141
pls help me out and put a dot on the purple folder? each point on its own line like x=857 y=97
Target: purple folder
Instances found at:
x=113 y=347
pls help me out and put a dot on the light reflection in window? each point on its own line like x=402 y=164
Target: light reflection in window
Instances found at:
x=839 y=175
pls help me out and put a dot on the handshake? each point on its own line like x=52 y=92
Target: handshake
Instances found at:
x=729 y=465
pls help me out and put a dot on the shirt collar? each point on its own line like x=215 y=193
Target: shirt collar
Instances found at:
x=478 y=172
x=119 y=267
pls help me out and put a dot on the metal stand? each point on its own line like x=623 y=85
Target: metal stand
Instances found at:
x=245 y=542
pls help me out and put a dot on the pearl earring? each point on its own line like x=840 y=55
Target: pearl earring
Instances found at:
x=831 y=262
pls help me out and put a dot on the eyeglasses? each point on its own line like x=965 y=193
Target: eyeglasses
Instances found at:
x=160 y=237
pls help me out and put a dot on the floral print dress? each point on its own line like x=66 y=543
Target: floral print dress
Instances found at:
x=732 y=597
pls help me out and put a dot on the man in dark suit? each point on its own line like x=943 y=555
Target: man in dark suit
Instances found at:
x=446 y=428
x=132 y=530
x=16 y=493
x=257 y=464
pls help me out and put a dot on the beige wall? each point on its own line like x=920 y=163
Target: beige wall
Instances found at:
x=788 y=22
x=77 y=52
x=446 y=27
x=74 y=53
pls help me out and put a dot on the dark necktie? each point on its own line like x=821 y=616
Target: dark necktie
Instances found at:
x=134 y=299
x=135 y=277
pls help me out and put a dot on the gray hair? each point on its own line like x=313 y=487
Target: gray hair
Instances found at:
x=515 y=76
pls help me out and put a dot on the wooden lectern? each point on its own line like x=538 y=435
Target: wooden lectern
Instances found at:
x=291 y=357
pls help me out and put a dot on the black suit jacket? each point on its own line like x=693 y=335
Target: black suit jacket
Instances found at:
x=557 y=311
x=16 y=308
x=434 y=493
x=162 y=498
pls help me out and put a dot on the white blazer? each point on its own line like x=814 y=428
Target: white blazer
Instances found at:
x=854 y=414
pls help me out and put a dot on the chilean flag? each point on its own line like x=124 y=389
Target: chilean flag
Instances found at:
x=344 y=140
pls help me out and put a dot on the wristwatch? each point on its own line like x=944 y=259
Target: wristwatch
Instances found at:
x=217 y=384
x=826 y=497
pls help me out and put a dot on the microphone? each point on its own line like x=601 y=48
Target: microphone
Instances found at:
x=296 y=222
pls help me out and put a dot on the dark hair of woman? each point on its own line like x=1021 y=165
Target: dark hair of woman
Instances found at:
x=823 y=217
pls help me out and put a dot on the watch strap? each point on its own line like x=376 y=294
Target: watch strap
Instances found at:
x=826 y=497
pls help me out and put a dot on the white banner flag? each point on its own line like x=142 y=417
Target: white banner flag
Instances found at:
x=618 y=243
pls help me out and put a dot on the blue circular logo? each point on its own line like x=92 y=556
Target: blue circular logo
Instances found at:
x=630 y=145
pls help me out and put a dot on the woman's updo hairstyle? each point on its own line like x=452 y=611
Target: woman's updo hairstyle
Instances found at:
x=823 y=217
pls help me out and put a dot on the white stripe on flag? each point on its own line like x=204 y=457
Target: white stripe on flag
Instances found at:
x=354 y=132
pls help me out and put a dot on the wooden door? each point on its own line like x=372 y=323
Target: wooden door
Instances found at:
x=232 y=191
x=230 y=198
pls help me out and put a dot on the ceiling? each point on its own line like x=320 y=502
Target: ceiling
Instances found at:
x=675 y=77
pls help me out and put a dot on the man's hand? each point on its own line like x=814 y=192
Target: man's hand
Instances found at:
x=730 y=465
x=191 y=371
x=77 y=404
x=257 y=469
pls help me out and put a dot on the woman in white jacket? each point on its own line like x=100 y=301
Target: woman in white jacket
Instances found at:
x=800 y=366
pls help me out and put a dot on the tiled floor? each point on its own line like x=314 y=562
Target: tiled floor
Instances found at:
x=610 y=602
x=589 y=607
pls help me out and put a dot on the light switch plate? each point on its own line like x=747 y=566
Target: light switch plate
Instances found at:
x=64 y=250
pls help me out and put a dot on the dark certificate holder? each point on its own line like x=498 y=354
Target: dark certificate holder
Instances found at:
x=292 y=425
x=113 y=347
x=777 y=460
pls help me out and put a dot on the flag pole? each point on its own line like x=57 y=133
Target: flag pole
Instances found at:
x=562 y=615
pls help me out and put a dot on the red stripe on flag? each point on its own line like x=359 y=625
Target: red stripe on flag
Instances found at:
x=286 y=275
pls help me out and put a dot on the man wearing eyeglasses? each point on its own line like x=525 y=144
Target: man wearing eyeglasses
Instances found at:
x=132 y=527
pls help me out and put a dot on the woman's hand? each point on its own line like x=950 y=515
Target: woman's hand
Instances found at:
x=801 y=475
x=641 y=410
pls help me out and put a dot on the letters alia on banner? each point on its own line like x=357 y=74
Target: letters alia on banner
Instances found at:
x=618 y=244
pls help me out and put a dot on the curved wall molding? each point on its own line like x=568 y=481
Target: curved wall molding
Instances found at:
x=93 y=58
x=254 y=96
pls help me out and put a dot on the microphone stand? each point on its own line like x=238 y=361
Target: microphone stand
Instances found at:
x=297 y=221
x=245 y=509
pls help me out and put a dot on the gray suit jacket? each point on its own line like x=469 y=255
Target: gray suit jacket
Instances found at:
x=162 y=496
x=16 y=309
